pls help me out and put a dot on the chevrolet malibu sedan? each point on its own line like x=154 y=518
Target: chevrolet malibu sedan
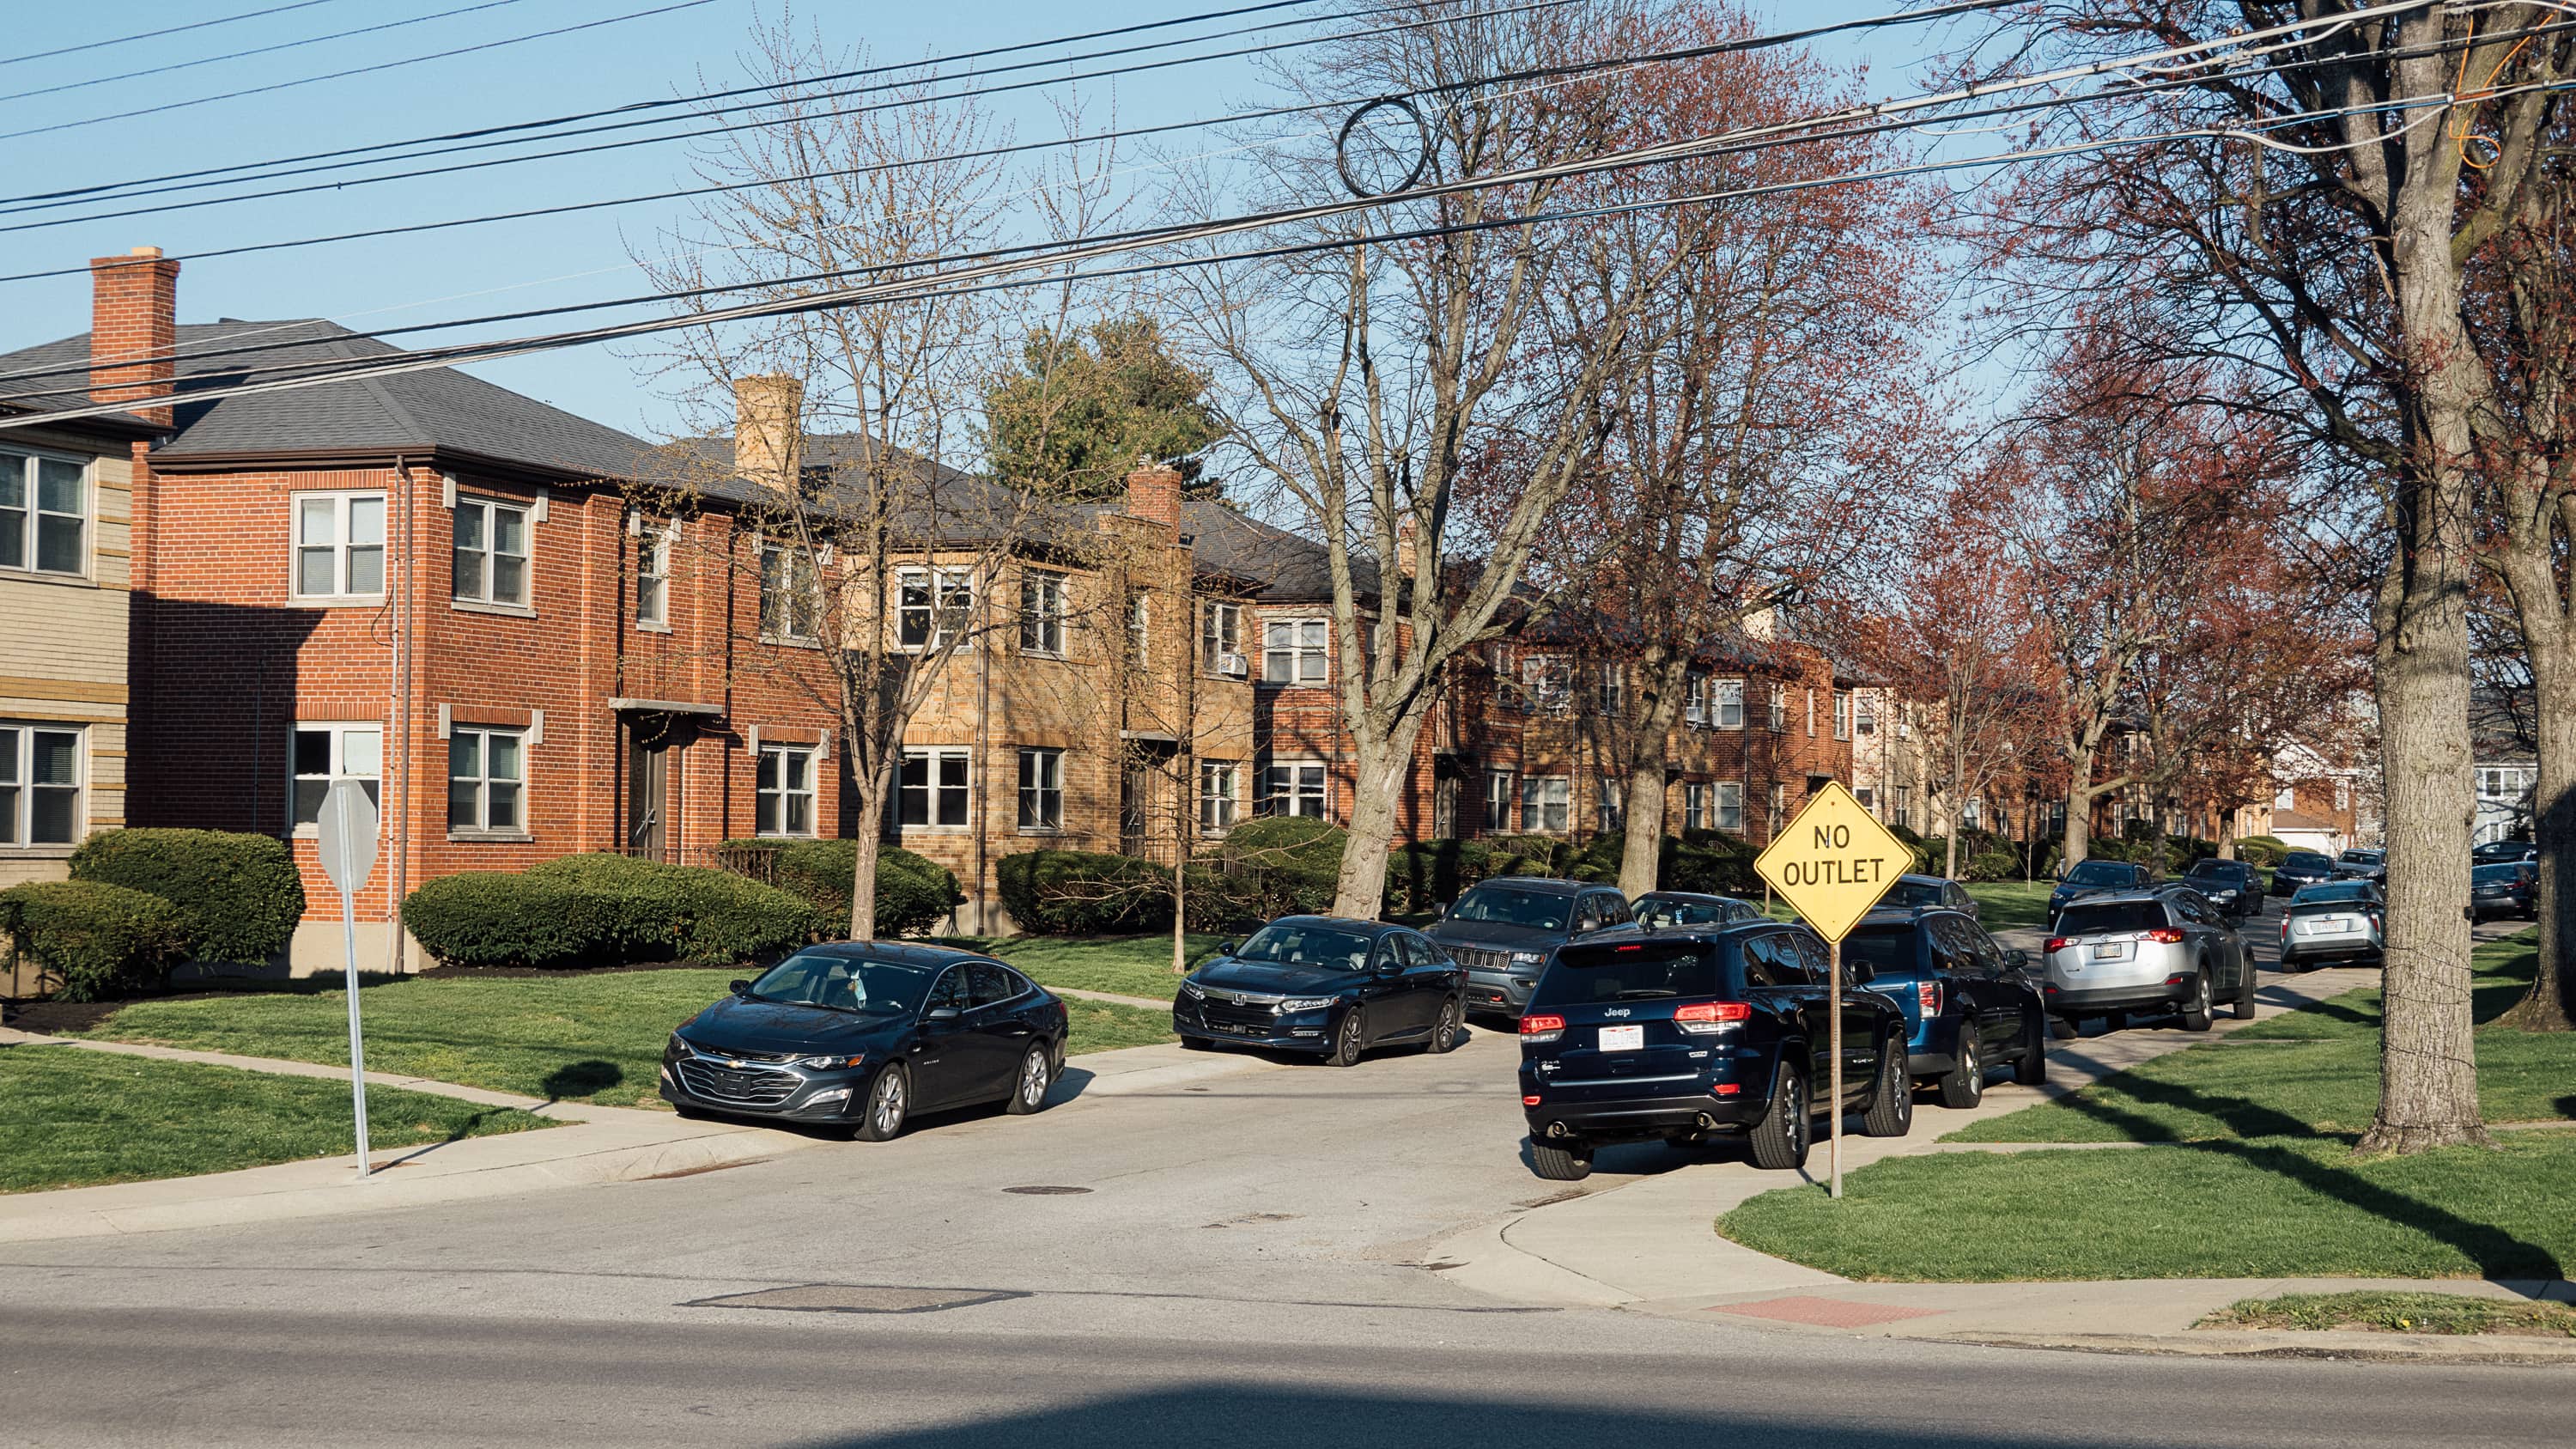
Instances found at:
x=1325 y=985
x=866 y=1034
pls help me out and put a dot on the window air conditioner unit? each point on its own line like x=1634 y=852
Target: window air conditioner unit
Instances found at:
x=1233 y=666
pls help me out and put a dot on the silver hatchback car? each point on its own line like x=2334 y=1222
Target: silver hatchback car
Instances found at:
x=2335 y=920
x=2152 y=950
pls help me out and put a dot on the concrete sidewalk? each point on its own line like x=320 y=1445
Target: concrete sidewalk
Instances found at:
x=596 y=1144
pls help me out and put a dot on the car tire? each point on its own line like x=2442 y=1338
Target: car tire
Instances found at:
x=2242 y=1008
x=1560 y=1164
x=1444 y=1032
x=1964 y=1085
x=1780 y=1139
x=1891 y=1108
x=1349 y=1040
x=2032 y=1069
x=888 y=1106
x=2197 y=1013
x=1029 y=1088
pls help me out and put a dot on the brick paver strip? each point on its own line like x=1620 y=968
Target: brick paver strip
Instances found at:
x=1825 y=1312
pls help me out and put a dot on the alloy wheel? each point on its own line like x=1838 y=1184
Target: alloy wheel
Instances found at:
x=1033 y=1078
x=886 y=1110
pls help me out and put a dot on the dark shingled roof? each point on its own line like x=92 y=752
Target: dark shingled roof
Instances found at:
x=437 y=408
x=1277 y=565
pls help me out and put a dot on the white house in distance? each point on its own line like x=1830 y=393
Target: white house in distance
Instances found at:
x=2507 y=768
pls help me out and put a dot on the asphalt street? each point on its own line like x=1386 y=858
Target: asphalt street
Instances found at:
x=1239 y=1260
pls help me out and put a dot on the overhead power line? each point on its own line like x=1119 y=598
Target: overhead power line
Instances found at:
x=381 y=66
x=256 y=50
x=156 y=34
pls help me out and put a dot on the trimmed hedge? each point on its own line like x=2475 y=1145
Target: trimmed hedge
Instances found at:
x=105 y=941
x=1084 y=892
x=238 y=896
x=591 y=910
x=2262 y=850
x=913 y=891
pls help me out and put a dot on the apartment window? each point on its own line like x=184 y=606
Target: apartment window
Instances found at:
x=1043 y=595
x=1698 y=804
x=44 y=514
x=932 y=790
x=1140 y=627
x=1842 y=714
x=2286 y=798
x=339 y=545
x=1811 y=714
x=1294 y=788
x=1220 y=786
x=1695 y=698
x=1293 y=651
x=933 y=606
x=1729 y=704
x=1614 y=688
x=1904 y=809
x=653 y=578
x=491 y=552
x=1779 y=808
x=1730 y=805
x=1221 y=640
x=1613 y=817
x=487 y=776
x=1543 y=803
x=1041 y=789
x=1547 y=683
x=783 y=791
x=1867 y=797
x=1973 y=813
x=40 y=785
x=2343 y=794
x=1498 y=799
x=791 y=593
x=327 y=752
x=1779 y=709
x=1865 y=713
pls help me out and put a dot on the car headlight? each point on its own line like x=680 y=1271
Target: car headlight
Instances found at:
x=834 y=1063
x=677 y=1046
x=1528 y=958
x=1191 y=990
x=1306 y=1003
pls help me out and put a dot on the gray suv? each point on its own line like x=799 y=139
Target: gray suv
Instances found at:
x=1503 y=931
x=2154 y=950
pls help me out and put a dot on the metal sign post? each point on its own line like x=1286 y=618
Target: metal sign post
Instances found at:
x=348 y=849
x=1832 y=863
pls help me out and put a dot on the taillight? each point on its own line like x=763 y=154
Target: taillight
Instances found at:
x=2058 y=943
x=1529 y=1101
x=1703 y=1017
x=2374 y=924
x=2167 y=935
x=1542 y=1028
x=1928 y=993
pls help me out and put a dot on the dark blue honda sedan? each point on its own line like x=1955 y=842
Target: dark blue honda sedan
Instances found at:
x=1326 y=985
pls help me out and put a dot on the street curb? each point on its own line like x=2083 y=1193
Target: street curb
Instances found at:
x=2359 y=1346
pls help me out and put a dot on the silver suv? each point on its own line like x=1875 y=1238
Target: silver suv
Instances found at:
x=2155 y=950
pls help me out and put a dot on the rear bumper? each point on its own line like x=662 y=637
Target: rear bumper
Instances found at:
x=1934 y=1049
x=1681 y=1113
x=2483 y=907
x=2332 y=949
x=2065 y=1001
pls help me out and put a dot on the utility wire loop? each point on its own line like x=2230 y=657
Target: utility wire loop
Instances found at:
x=1375 y=184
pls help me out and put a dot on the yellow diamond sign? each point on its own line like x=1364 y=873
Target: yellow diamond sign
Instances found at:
x=1834 y=861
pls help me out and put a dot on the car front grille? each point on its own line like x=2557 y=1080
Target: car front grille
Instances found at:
x=1238 y=1015
x=1479 y=958
x=749 y=1088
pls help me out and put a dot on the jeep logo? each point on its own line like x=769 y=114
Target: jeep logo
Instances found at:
x=1614 y=1011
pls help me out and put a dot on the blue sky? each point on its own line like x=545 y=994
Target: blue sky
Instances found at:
x=391 y=281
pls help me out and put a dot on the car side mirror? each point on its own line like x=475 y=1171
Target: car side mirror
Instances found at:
x=1225 y=948
x=739 y=988
x=2019 y=957
x=1439 y=912
x=940 y=1013
x=1389 y=967
x=1861 y=972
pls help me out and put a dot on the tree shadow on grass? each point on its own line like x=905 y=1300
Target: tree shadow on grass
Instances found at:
x=2497 y=1253
x=582 y=1079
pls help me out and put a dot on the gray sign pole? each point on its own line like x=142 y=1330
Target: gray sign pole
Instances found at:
x=348 y=850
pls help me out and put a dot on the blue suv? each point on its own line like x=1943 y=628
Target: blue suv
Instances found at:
x=1700 y=1032
x=1969 y=1003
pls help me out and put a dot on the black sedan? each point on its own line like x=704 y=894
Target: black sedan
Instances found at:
x=2299 y=869
x=865 y=1034
x=2502 y=852
x=1325 y=985
x=2230 y=885
x=2507 y=888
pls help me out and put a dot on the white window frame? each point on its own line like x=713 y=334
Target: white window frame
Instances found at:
x=1220 y=797
x=653 y=576
x=795 y=578
x=1779 y=709
x=343 y=551
x=1904 y=812
x=935 y=792
x=2343 y=794
x=1609 y=807
x=483 y=781
x=335 y=766
x=1811 y=713
x=773 y=804
x=1290 y=787
x=1220 y=636
x=1842 y=714
x=1547 y=804
x=1728 y=705
x=1501 y=800
x=946 y=605
x=1041 y=790
x=1865 y=713
x=1613 y=689
x=1307 y=650
x=1695 y=700
x=1140 y=628
x=1698 y=804
x=1046 y=597
x=19 y=787
x=26 y=518
x=486 y=514
x=2286 y=798
x=1727 y=812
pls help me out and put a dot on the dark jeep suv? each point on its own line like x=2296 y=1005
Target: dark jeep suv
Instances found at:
x=1699 y=1032
x=1503 y=930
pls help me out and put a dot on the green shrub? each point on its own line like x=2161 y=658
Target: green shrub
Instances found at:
x=238 y=896
x=504 y=918
x=589 y=910
x=1083 y=893
x=104 y=941
x=913 y=891
x=1432 y=872
x=1710 y=862
x=1993 y=865
x=1285 y=865
x=2262 y=850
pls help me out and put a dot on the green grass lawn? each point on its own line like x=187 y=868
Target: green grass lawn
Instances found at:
x=2397 y=1313
x=1124 y=965
x=2006 y=903
x=74 y=1118
x=584 y=1038
x=2249 y=1171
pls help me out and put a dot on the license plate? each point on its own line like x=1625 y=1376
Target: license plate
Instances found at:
x=2332 y=928
x=1622 y=1038
x=2104 y=949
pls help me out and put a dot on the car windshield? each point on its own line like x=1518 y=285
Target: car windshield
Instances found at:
x=844 y=983
x=2099 y=872
x=2343 y=891
x=2111 y=918
x=2218 y=870
x=1302 y=945
x=1911 y=893
x=2306 y=860
x=2510 y=870
x=1686 y=911
x=1513 y=906
x=2361 y=857
x=1887 y=950
x=1631 y=971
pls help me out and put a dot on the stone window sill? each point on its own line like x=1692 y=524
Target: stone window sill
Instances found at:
x=507 y=611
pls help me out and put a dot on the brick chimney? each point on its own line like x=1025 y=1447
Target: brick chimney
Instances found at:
x=1154 y=494
x=769 y=430
x=133 y=326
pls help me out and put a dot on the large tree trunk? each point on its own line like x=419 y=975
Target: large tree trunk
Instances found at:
x=1641 y=851
x=2078 y=842
x=1950 y=849
x=863 y=880
x=2551 y=1005
x=1377 y=783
